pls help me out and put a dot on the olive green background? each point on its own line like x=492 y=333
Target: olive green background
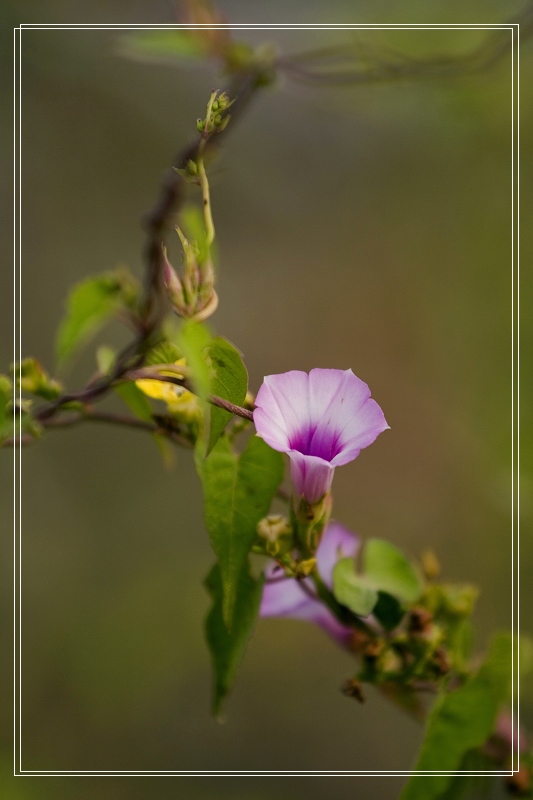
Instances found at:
x=367 y=227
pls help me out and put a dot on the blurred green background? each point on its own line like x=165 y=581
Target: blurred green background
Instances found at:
x=366 y=227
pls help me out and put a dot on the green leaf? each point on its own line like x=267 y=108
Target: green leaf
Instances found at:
x=162 y=46
x=193 y=340
x=105 y=358
x=89 y=305
x=462 y=785
x=460 y=721
x=227 y=649
x=140 y=406
x=165 y=352
x=352 y=590
x=135 y=400
x=229 y=381
x=6 y=395
x=388 y=611
x=238 y=491
x=31 y=377
x=193 y=225
x=388 y=569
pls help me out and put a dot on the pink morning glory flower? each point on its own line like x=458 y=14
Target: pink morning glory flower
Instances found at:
x=322 y=420
x=286 y=597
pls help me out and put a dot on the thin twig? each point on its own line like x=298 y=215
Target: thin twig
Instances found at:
x=91 y=415
x=155 y=303
x=318 y=66
x=215 y=400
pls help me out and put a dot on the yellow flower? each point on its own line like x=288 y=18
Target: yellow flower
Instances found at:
x=181 y=403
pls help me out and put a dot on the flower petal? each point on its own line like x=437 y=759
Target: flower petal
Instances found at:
x=311 y=476
x=286 y=598
x=360 y=430
x=283 y=399
x=337 y=542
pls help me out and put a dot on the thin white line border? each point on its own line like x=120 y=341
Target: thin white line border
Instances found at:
x=515 y=399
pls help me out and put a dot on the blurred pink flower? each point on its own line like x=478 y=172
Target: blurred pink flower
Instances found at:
x=322 y=420
x=288 y=597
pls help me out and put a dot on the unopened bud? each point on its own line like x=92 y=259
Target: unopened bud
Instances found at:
x=172 y=283
x=223 y=101
x=441 y=661
x=200 y=125
x=353 y=688
x=31 y=377
x=273 y=526
x=420 y=621
x=273 y=530
x=430 y=565
x=208 y=309
x=305 y=568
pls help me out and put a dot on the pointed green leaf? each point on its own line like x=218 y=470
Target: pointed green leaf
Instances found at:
x=227 y=649
x=352 y=590
x=229 y=381
x=140 y=406
x=461 y=721
x=193 y=339
x=388 y=611
x=165 y=352
x=89 y=305
x=192 y=222
x=462 y=786
x=105 y=358
x=29 y=376
x=238 y=491
x=162 y=46
x=388 y=569
x=135 y=400
x=6 y=395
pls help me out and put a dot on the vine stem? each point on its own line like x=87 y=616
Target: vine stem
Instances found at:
x=92 y=415
x=215 y=400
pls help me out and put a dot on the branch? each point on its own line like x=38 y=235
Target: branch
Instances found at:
x=156 y=222
x=91 y=415
x=215 y=400
x=171 y=195
x=357 y=63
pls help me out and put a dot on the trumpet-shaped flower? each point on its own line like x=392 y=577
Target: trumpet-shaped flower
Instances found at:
x=288 y=597
x=322 y=420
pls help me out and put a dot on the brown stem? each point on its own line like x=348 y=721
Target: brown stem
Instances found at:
x=356 y=67
x=156 y=222
x=91 y=415
x=215 y=400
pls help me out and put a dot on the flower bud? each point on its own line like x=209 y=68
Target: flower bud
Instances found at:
x=193 y=296
x=273 y=526
x=172 y=283
x=353 y=688
x=305 y=568
x=275 y=531
x=31 y=377
x=430 y=565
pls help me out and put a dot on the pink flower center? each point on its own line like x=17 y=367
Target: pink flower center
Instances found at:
x=313 y=441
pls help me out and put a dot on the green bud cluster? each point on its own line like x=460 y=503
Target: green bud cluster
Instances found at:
x=216 y=118
x=192 y=296
x=32 y=378
x=274 y=535
x=431 y=641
